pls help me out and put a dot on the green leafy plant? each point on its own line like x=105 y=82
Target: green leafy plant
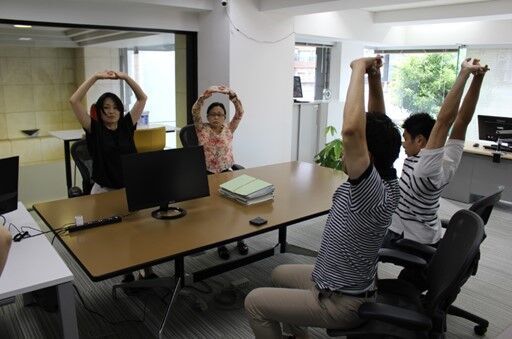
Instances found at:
x=330 y=156
x=422 y=82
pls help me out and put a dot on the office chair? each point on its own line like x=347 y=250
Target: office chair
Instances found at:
x=400 y=310
x=83 y=161
x=188 y=138
x=149 y=139
x=483 y=207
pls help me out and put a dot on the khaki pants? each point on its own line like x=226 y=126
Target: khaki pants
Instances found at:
x=296 y=303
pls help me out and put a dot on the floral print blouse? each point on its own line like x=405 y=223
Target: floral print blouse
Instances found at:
x=218 y=147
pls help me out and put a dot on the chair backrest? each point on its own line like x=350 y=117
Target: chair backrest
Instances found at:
x=83 y=161
x=188 y=136
x=483 y=206
x=454 y=260
x=149 y=139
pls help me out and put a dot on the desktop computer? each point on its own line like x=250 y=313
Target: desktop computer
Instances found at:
x=9 y=169
x=164 y=177
x=492 y=128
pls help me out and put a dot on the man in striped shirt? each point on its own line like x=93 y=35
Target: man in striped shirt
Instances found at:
x=432 y=161
x=329 y=293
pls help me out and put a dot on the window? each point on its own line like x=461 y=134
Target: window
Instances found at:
x=311 y=64
x=416 y=81
x=154 y=70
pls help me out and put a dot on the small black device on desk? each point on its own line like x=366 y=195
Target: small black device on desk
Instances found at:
x=258 y=221
x=95 y=223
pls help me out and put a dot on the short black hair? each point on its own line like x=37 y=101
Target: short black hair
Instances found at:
x=419 y=124
x=115 y=99
x=216 y=104
x=383 y=141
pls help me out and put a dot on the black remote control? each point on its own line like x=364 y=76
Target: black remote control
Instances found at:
x=95 y=223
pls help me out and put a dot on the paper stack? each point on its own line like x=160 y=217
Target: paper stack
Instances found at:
x=247 y=190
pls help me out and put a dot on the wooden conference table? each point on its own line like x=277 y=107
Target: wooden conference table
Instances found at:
x=302 y=191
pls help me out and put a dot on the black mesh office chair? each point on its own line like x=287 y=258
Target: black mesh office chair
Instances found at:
x=483 y=207
x=83 y=161
x=401 y=311
x=188 y=138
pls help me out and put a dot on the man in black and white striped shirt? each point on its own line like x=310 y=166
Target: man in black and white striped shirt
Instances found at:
x=432 y=161
x=329 y=293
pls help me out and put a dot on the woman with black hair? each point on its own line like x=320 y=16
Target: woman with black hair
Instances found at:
x=216 y=137
x=109 y=135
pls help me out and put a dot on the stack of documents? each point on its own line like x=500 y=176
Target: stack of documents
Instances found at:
x=247 y=190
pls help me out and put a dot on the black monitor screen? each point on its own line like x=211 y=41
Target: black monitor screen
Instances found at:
x=164 y=177
x=9 y=168
x=297 y=87
x=488 y=125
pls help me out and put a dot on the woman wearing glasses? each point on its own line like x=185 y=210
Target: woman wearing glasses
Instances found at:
x=216 y=137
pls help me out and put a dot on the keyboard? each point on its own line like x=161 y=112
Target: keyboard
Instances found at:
x=94 y=223
x=495 y=147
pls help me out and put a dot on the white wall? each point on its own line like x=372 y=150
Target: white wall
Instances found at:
x=213 y=53
x=262 y=74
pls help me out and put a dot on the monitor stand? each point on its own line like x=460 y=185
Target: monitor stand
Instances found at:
x=168 y=212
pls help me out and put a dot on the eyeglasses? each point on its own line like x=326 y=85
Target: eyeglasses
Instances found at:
x=219 y=115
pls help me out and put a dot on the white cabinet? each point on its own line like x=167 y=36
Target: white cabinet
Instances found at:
x=308 y=123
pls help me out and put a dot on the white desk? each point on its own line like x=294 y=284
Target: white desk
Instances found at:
x=478 y=175
x=33 y=264
x=76 y=134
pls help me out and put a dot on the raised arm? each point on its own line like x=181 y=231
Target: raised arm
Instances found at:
x=196 y=108
x=138 y=107
x=467 y=109
x=356 y=157
x=375 y=96
x=76 y=99
x=239 y=110
x=5 y=245
x=450 y=106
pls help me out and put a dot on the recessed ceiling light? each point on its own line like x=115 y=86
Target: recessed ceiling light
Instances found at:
x=23 y=26
x=24 y=39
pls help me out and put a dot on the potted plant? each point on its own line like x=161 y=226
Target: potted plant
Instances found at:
x=330 y=156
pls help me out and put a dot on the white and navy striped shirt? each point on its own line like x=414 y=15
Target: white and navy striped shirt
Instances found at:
x=423 y=178
x=360 y=214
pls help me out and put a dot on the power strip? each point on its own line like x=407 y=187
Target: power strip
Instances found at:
x=94 y=223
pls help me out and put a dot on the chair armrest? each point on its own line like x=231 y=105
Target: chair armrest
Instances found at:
x=404 y=318
x=421 y=250
x=444 y=223
x=401 y=258
x=75 y=192
x=237 y=167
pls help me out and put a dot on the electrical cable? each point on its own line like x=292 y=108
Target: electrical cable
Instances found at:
x=112 y=322
x=254 y=39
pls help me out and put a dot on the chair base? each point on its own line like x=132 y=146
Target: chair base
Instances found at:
x=482 y=324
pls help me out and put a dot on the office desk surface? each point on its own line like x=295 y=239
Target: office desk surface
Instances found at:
x=302 y=191
x=480 y=150
x=32 y=263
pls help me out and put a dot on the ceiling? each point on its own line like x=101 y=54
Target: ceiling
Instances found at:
x=42 y=36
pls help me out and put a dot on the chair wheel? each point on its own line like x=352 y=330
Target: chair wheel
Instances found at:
x=480 y=330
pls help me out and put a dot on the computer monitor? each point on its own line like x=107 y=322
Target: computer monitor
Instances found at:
x=9 y=169
x=488 y=125
x=297 y=87
x=164 y=177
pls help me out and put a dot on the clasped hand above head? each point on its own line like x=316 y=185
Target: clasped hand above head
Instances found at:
x=219 y=89
x=370 y=64
x=474 y=67
x=112 y=75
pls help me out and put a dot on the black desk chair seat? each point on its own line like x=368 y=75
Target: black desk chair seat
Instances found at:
x=188 y=138
x=483 y=207
x=401 y=311
x=83 y=161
